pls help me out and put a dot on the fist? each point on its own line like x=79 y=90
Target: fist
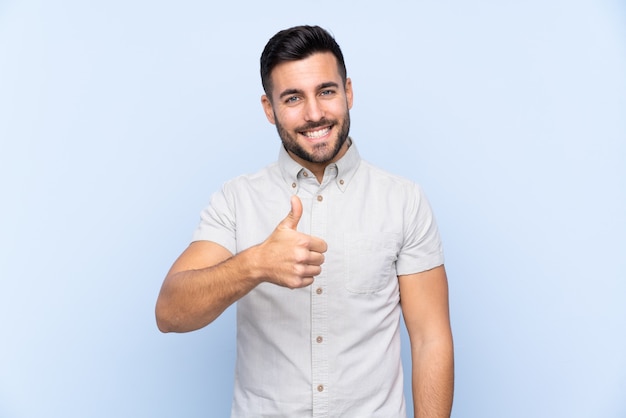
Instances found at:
x=292 y=259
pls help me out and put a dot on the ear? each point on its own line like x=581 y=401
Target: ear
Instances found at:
x=268 y=109
x=349 y=94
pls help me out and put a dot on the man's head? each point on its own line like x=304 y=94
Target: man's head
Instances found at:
x=308 y=96
x=294 y=44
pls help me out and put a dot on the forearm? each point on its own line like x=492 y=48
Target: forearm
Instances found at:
x=192 y=299
x=433 y=379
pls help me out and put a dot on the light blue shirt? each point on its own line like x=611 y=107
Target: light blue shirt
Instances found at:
x=333 y=348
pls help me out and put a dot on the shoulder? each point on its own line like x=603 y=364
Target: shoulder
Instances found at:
x=376 y=176
x=262 y=178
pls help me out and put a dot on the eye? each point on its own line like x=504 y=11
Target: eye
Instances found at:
x=291 y=99
x=327 y=92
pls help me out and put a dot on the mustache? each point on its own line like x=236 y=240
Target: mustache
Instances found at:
x=317 y=124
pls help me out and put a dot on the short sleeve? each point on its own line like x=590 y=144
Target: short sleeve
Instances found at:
x=422 y=248
x=218 y=222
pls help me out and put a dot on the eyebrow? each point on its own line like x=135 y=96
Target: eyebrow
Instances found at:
x=322 y=86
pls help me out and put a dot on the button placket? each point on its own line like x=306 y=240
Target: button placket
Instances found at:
x=319 y=316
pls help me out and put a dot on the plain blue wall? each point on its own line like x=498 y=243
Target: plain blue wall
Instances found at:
x=118 y=119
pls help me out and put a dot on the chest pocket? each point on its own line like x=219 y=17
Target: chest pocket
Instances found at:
x=370 y=261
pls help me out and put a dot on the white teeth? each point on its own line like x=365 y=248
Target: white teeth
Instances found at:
x=316 y=134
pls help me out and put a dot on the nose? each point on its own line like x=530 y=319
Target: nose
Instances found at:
x=313 y=111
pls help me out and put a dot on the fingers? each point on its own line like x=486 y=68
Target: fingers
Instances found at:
x=305 y=276
x=318 y=245
x=302 y=282
x=315 y=259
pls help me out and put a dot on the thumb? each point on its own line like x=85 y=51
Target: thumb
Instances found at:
x=292 y=219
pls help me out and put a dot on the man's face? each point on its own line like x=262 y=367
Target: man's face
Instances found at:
x=310 y=108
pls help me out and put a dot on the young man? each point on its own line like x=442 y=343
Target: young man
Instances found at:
x=319 y=291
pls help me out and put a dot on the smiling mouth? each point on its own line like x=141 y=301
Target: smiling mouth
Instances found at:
x=317 y=133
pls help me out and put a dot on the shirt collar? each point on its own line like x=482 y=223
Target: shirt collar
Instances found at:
x=346 y=167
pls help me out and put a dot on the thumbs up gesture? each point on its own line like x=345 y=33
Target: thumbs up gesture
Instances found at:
x=290 y=258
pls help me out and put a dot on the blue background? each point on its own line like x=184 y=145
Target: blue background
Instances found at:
x=118 y=119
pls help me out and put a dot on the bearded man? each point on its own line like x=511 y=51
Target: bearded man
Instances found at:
x=319 y=291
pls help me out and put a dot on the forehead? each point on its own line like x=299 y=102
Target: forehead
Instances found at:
x=306 y=73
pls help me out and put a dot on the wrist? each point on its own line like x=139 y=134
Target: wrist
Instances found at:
x=251 y=263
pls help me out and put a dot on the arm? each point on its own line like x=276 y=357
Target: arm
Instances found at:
x=424 y=301
x=206 y=279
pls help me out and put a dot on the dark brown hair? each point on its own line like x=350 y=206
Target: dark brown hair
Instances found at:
x=294 y=44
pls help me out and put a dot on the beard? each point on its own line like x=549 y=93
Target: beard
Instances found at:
x=322 y=152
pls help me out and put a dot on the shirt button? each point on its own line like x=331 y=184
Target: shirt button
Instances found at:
x=341 y=182
x=319 y=339
x=305 y=174
x=320 y=388
x=320 y=198
x=293 y=185
x=319 y=290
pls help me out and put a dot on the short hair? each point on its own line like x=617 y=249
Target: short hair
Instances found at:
x=296 y=43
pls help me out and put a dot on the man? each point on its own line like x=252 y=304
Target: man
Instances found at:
x=319 y=290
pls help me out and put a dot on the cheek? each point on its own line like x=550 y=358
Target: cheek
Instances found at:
x=337 y=109
x=288 y=119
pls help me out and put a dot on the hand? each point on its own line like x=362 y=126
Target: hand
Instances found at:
x=290 y=258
